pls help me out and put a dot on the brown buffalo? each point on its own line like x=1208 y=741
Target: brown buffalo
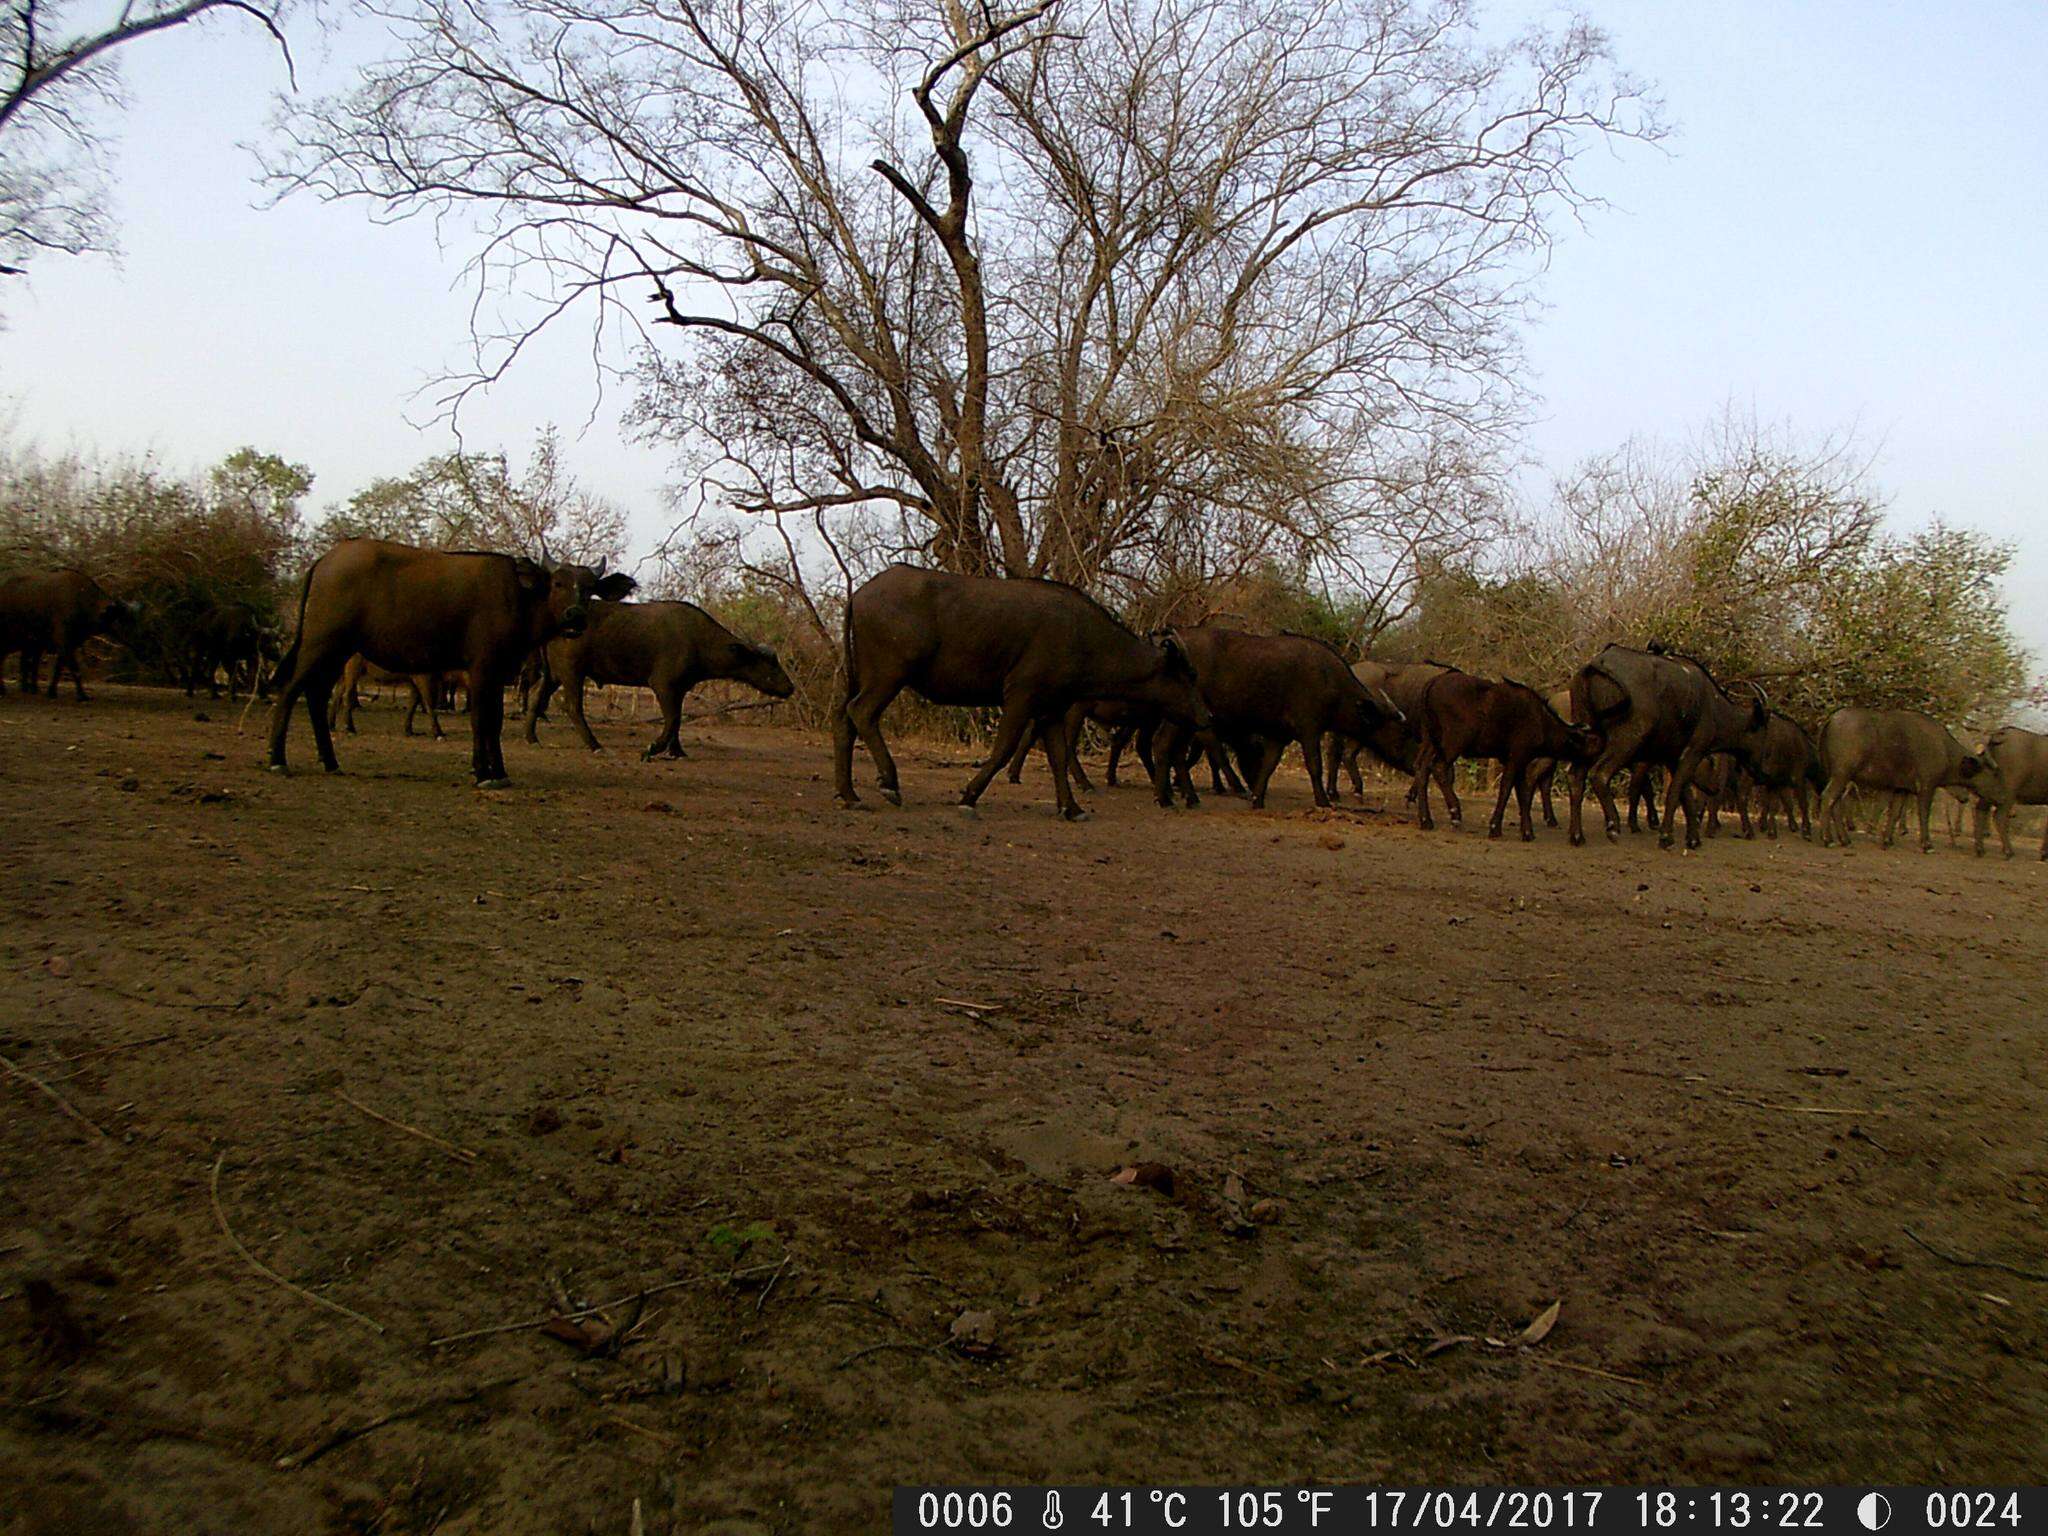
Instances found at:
x=55 y=611
x=1399 y=736
x=668 y=647
x=1036 y=648
x=421 y=610
x=2019 y=759
x=1506 y=722
x=1658 y=708
x=1899 y=752
x=1266 y=691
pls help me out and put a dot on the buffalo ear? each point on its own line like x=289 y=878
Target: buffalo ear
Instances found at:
x=614 y=588
x=531 y=575
x=1972 y=766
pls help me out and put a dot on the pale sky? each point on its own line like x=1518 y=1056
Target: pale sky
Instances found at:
x=1849 y=228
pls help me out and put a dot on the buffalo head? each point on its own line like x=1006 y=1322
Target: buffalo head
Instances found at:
x=1179 y=694
x=759 y=669
x=562 y=596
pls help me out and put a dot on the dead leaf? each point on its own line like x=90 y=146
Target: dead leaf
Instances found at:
x=1449 y=1341
x=1331 y=841
x=1146 y=1176
x=1546 y=1320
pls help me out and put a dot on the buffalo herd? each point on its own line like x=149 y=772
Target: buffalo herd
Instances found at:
x=1050 y=660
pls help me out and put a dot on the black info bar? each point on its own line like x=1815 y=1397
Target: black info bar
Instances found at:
x=1084 y=1509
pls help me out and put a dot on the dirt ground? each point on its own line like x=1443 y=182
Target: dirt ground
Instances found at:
x=689 y=1026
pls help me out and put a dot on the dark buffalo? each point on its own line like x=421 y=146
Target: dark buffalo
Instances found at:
x=1266 y=691
x=1895 y=751
x=425 y=689
x=668 y=647
x=1666 y=711
x=55 y=611
x=1507 y=722
x=1034 y=648
x=226 y=636
x=420 y=610
x=2019 y=761
x=1785 y=771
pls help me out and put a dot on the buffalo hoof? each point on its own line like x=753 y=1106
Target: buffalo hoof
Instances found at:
x=893 y=796
x=332 y=768
x=493 y=783
x=1078 y=813
x=1493 y=834
x=277 y=768
x=849 y=802
x=968 y=809
x=1577 y=839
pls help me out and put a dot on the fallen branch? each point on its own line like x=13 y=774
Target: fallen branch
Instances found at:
x=108 y=1050
x=1588 y=1370
x=164 y=1002
x=341 y=1437
x=265 y=1270
x=580 y=1312
x=875 y=1349
x=54 y=1097
x=463 y=1153
x=1969 y=1263
x=727 y=709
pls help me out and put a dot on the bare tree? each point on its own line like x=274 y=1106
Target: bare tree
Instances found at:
x=1047 y=282
x=61 y=77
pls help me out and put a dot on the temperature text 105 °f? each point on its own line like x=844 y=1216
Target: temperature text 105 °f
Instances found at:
x=1247 y=1511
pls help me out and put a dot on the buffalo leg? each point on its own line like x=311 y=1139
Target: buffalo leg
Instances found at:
x=1059 y=752
x=864 y=716
x=1834 y=825
x=670 y=701
x=543 y=691
x=318 y=684
x=1016 y=723
x=484 y=765
x=572 y=701
x=1418 y=788
x=1031 y=739
x=1312 y=760
x=1926 y=814
x=1524 y=792
x=1500 y=804
x=1677 y=796
x=68 y=657
x=434 y=706
x=31 y=671
x=1262 y=771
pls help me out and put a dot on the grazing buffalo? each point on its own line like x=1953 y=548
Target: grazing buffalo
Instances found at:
x=425 y=688
x=2019 y=760
x=1664 y=710
x=1508 y=722
x=1899 y=751
x=1399 y=736
x=668 y=647
x=420 y=610
x=55 y=611
x=1268 y=690
x=1036 y=648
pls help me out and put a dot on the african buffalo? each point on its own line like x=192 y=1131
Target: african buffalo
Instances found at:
x=668 y=647
x=1399 y=737
x=1507 y=722
x=225 y=636
x=1785 y=768
x=1658 y=708
x=2019 y=759
x=424 y=688
x=1898 y=751
x=1265 y=691
x=55 y=611
x=1034 y=647
x=421 y=610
